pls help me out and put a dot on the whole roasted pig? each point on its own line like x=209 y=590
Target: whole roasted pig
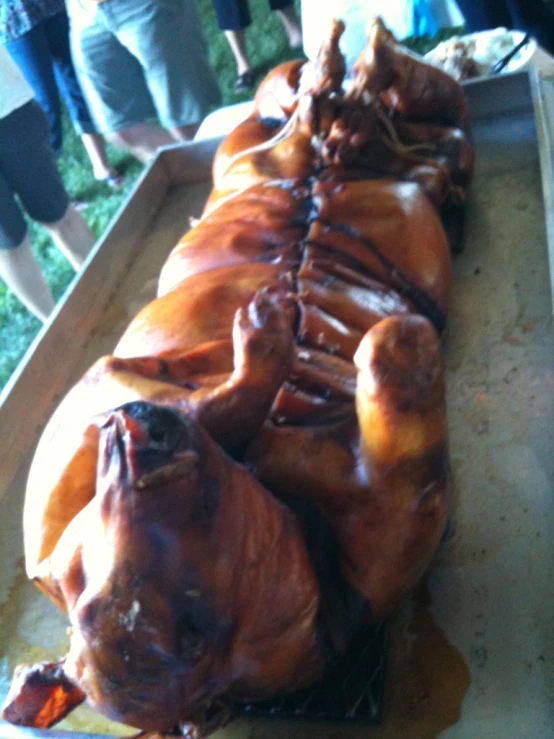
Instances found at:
x=259 y=471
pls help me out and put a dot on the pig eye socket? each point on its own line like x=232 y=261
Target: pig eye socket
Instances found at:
x=163 y=427
x=156 y=434
x=163 y=434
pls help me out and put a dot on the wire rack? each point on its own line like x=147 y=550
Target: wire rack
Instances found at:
x=352 y=691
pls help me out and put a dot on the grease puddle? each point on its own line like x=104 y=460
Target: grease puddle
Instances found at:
x=428 y=677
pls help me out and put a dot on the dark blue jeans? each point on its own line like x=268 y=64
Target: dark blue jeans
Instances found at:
x=234 y=15
x=43 y=55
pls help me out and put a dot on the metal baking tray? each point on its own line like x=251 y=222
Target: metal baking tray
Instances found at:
x=472 y=651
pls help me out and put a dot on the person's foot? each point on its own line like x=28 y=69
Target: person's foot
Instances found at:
x=244 y=81
x=80 y=205
x=113 y=179
x=295 y=39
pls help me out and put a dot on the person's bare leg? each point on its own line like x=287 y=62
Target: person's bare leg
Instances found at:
x=237 y=42
x=184 y=133
x=96 y=149
x=291 y=24
x=141 y=141
x=22 y=274
x=72 y=236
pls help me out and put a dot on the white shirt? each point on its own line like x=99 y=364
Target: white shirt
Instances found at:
x=15 y=91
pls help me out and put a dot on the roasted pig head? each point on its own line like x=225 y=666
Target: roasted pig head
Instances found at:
x=184 y=579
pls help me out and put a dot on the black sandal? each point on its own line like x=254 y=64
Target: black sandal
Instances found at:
x=244 y=81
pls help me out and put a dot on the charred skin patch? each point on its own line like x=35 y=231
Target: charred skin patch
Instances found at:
x=40 y=696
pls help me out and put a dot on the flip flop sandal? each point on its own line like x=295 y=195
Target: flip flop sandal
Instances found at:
x=244 y=81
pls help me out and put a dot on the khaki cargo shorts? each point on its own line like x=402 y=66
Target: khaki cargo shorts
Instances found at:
x=139 y=60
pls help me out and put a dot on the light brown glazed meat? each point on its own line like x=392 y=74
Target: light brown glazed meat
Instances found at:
x=258 y=472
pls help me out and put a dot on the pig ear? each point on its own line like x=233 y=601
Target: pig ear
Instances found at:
x=50 y=586
x=61 y=483
x=40 y=696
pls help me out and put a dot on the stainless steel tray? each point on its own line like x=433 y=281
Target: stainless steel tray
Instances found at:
x=472 y=652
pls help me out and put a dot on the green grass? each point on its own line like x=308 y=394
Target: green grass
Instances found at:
x=267 y=45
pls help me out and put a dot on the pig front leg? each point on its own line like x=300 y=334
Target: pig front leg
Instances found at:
x=402 y=420
x=263 y=343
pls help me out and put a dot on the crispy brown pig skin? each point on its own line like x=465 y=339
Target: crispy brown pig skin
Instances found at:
x=173 y=577
x=378 y=475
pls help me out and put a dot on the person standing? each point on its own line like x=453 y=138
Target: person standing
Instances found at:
x=142 y=60
x=530 y=16
x=233 y=16
x=28 y=170
x=36 y=35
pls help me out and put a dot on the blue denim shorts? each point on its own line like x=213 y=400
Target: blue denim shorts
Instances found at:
x=27 y=170
x=140 y=60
